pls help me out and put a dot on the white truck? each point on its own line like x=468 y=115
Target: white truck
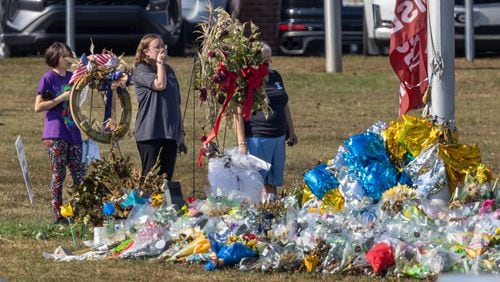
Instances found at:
x=378 y=16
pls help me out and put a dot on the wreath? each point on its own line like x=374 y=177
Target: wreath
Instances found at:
x=230 y=70
x=108 y=75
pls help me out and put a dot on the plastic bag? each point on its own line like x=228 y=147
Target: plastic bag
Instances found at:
x=90 y=151
x=138 y=217
x=230 y=255
x=438 y=260
x=236 y=176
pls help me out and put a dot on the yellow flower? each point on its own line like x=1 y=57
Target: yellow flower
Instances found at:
x=157 y=200
x=232 y=239
x=400 y=191
x=67 y=210
x=311 y=261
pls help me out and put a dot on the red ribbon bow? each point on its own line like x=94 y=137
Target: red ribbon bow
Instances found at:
x=254 y=78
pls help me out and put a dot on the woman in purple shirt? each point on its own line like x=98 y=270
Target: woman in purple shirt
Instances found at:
x=60 y=134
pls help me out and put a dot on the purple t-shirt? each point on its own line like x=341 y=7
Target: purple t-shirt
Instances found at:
x=58 y=123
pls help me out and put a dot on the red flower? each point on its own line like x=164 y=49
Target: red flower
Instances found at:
x=191 y=199
x=203 y=138
x=250 y=236
x=203 y=94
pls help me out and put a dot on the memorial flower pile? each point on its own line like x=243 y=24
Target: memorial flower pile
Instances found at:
x=112 y=180
x=358 y=213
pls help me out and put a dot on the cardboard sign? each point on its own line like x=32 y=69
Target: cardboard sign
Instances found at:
x=24 y=167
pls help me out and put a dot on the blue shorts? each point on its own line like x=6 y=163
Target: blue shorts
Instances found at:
x=271 y=150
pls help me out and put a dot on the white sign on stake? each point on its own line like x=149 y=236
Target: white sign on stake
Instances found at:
x=24 y=167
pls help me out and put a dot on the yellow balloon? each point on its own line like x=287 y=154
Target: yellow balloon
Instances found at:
x=410 y=135
x=332 y=201
x=460 y=159
x=307 y=195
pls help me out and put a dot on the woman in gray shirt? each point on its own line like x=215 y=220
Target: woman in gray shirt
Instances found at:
x=158 y=127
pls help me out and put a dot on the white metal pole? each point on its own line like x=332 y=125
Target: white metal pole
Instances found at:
x=441 y=58
x=70 y=23
x=333 y=35
x=469 y=30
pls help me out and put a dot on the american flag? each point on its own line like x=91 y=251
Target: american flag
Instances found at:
x=99 y=59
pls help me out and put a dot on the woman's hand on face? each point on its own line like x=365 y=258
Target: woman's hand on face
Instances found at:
x=160 y=58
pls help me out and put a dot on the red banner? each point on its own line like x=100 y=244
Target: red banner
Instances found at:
x=408 y=52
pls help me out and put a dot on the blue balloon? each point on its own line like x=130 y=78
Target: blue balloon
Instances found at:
x=404 y=179
x=108 y=209
x=320 y=180
x=366 y=147
x=376 y=178
x=368 y=161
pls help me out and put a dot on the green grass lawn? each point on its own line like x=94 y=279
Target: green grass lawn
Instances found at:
x=327 y=109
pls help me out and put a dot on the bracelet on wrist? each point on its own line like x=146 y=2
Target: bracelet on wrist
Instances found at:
x=160 y=62
x=242 y=143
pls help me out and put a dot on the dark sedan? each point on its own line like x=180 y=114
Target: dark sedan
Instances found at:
x=302 y=27
x=30 y=26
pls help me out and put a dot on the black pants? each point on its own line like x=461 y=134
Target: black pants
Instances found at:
x=150 y=152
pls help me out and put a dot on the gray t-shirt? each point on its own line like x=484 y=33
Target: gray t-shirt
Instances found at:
x=158 y=114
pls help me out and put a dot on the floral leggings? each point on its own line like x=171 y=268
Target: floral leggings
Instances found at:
x=62 y=154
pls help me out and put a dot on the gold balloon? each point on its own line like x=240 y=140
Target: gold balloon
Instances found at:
x=307 y=195
x=460 y=160
x=410 y=135
x=333 y=201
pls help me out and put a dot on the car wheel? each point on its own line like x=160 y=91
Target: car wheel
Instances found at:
x=370 y=47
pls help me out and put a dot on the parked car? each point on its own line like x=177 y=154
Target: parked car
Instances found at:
x=30 y=26
x=380 y=13
x=302 y=26
x=486 y=15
